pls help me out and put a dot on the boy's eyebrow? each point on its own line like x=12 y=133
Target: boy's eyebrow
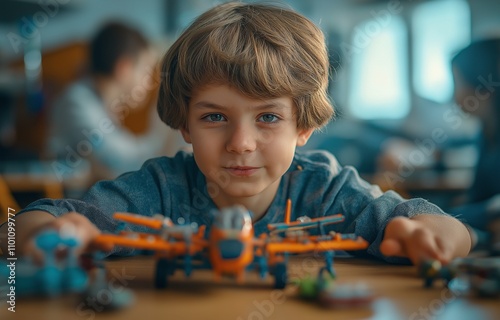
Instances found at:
x=211 y=105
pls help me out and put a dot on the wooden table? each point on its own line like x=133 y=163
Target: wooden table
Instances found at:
x=400 y=295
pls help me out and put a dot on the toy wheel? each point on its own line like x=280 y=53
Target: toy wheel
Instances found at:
x=161 y=273
x=280 y=276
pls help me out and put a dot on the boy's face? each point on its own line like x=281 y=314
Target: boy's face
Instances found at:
x=243 y=146
x=132 y=72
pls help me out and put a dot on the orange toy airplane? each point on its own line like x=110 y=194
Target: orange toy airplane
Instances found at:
x=231 y=247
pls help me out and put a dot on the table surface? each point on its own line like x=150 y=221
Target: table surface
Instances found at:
x=399 y=295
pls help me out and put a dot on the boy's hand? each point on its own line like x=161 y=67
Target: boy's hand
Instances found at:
x=419 y=239
x=73 y=223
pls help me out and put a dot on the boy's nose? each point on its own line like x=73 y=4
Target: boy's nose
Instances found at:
x=241 y=139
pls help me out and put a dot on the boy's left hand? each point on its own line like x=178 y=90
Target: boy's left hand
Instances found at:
x=423 y=237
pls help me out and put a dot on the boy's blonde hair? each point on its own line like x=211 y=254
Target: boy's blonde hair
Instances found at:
x=262 y=51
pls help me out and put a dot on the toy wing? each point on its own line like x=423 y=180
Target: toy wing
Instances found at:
x=156 y=222
x=313 y=223
x=178 y=239
x=313 y=244
x=154 y=242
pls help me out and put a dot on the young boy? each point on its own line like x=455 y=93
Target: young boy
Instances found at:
x=246 y=84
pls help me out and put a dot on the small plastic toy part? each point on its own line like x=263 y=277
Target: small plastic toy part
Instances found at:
x=328 y=293
x=55 y=276
x=466 y=276
x=346 y=295
x=310 y=288
x=431 y=270
x=280 y=275
x=93 y=297
x=482 y=275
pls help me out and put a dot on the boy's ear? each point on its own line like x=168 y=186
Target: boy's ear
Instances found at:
x=304 y=136
x=185 y=135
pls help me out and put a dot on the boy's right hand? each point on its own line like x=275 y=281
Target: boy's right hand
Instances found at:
x=77 y=225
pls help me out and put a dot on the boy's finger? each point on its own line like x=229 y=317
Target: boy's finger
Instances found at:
x=400 y=227
x=445 y=250
x=392 y=247
x=77 y=226
x=87 y=243
x=422 y=246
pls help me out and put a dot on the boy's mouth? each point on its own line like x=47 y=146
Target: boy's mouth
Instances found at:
x=241 y=171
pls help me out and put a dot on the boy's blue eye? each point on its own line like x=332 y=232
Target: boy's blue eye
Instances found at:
x=214 y=117
x=268 y=118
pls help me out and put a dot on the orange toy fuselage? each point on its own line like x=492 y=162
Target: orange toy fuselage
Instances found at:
x=231 y=250
x=231 y=247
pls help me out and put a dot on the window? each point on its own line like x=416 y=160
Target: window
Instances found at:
x=440 y=29
x=379 y=84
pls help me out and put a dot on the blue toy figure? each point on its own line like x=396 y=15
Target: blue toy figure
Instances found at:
x=55 y=276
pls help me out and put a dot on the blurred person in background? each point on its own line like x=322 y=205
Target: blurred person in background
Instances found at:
x=85 y=121
x=476 y=74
